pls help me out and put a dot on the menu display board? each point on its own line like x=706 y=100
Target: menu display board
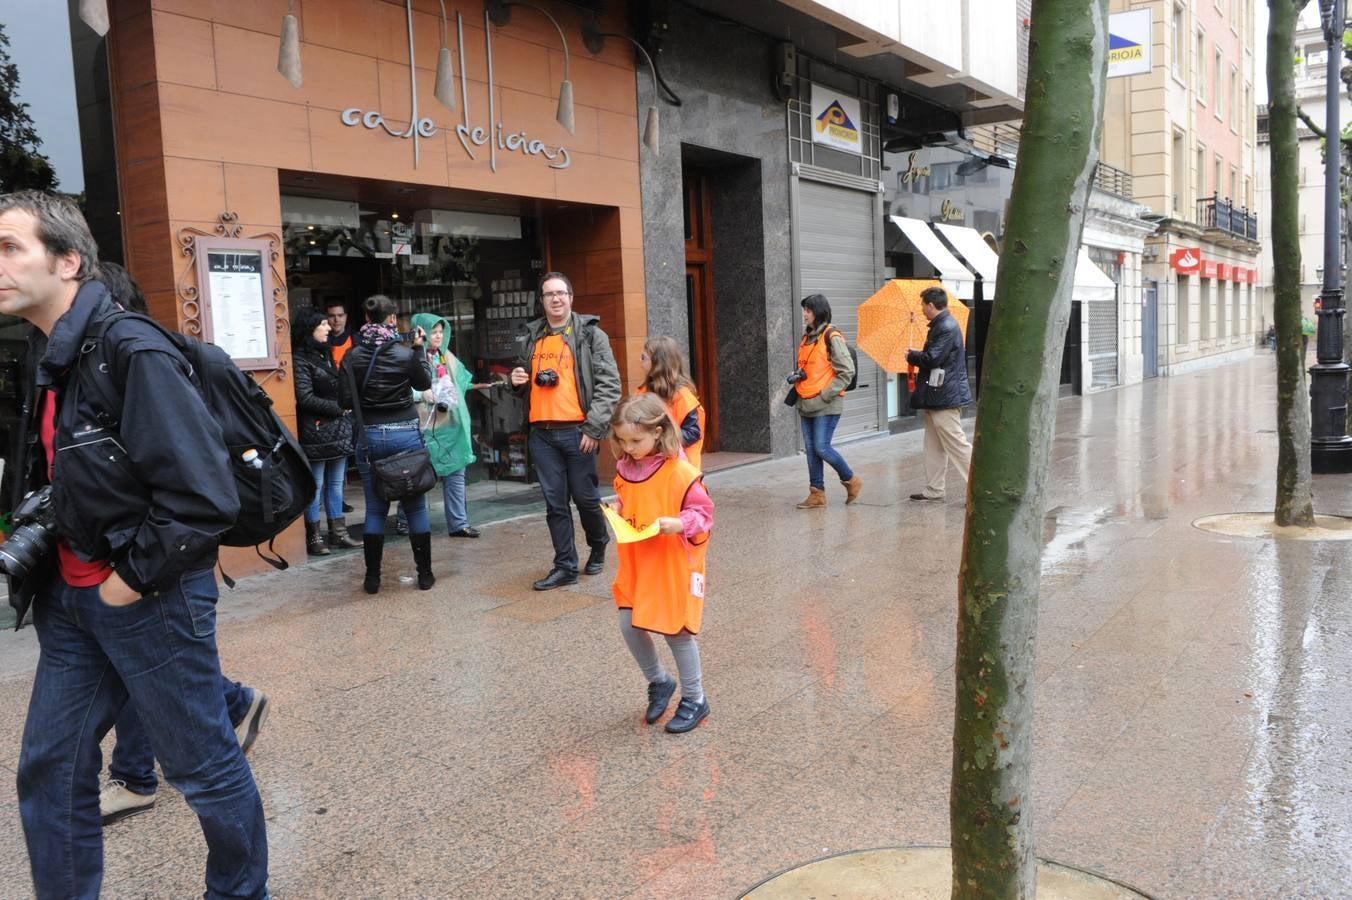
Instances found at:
x=239 y=304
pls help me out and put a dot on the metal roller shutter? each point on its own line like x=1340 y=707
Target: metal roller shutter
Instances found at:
x=836 y=230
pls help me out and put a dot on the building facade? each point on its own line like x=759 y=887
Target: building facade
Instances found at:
x=1186 y=133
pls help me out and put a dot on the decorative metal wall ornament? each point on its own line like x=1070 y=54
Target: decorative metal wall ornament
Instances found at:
x=595 y=40
x=445 y=89
x=499 y=13
x=496 y=135
x=94 y=13
x=288 y=56
x=195 y=245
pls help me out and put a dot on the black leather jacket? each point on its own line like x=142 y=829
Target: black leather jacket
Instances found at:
x=323 y=429
x=147 y=487
x=943 y=350
x=387 y=394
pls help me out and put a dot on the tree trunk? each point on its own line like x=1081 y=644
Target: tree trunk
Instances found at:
x=1295 y=504
x=990 y=804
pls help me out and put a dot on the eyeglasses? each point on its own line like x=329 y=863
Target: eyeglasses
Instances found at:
x=550 y=295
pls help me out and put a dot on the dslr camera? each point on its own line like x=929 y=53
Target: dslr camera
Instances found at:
x=546 y=378
x=796 y=376
x=34 y=537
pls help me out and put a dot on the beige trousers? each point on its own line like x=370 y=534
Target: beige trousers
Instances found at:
x=944 y=440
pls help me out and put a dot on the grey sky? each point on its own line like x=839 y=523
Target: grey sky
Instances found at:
x=39 y=44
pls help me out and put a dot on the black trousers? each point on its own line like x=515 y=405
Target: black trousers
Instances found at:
x=564 y=471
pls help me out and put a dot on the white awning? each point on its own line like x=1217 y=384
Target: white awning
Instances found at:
x=1090 y=281
x=974 y=249
x=953 y=274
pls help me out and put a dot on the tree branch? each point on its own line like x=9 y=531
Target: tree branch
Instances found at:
x=1318 y=132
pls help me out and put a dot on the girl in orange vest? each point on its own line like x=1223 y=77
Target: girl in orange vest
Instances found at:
x=660 y=585
x=666 y=375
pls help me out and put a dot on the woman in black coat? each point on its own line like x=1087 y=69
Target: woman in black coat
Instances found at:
x=325 y=428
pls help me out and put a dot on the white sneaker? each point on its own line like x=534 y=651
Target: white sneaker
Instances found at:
x=116 y=802
x=246 y=732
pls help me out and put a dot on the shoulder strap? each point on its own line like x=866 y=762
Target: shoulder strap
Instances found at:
x=369 y=368
x=356 y=403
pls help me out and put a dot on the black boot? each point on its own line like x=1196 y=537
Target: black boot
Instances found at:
x=314 y=541
x=374 y=547
x=338 y=536
x=422 y=558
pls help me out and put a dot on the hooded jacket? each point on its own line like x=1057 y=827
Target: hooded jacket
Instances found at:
x=448 y=436
x=147 y=487
x=598 y=378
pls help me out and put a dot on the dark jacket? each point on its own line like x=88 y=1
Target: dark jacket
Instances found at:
x=387 y=395
x=943 y=349
x=147 y=487
x=597 y=376
x=325 y=432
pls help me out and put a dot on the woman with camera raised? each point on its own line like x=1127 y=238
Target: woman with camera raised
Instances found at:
x=825 y=367
x=324 y=428
x=386 y=373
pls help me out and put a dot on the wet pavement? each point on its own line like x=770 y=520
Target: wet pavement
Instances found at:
x=482 y=740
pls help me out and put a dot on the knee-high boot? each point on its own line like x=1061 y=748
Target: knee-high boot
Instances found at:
x=422 y=558
x=374 y=547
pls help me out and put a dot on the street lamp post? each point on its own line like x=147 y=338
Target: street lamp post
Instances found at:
x=1330 y=445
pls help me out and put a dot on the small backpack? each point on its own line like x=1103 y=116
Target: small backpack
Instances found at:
x=854 y=357
x=276 y=487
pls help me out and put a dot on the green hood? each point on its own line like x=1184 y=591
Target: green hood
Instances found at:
x=428 y=321
x=448 y=440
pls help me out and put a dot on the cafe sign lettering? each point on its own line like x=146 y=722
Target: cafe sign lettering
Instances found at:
x=913 y=172
x=496 y=136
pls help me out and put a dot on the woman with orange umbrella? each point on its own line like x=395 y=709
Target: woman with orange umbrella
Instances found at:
x=825 y=367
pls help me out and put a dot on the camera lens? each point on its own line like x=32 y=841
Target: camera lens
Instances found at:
x=546 y=378
x=21 y=550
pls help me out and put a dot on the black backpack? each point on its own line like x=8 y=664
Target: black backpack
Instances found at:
x=271 y=496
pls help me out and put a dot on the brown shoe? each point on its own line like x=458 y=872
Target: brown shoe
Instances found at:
x=815 y=497
x=852 y=489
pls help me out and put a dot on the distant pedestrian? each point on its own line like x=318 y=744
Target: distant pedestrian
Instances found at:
x=941 y=391
x=1307 y=329
x=825 y=368
x=324 y=428
x=660 y=584
x=386 y=374
x=666 y=375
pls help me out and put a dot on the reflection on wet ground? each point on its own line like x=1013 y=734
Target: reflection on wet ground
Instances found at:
x=482 y=740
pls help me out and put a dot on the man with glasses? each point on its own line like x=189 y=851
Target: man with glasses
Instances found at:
x=567 y=370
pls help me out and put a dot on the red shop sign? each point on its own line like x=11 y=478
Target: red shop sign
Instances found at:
x=1210 y=268
x=1186 y=260
x=1224 y=271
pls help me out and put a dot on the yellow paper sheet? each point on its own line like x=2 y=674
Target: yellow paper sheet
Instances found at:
x=624 y=532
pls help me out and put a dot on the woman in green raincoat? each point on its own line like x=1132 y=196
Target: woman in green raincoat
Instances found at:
x=445 y=420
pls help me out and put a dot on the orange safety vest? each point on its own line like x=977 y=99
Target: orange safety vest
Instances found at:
x=558 y=403
x=661 y=579
x=815 y=359
x=681 y=406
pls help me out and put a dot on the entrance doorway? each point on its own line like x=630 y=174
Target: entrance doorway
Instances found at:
x=699 y=299
x=1150 y=329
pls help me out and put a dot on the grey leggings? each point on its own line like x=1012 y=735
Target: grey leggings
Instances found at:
x=683 y=648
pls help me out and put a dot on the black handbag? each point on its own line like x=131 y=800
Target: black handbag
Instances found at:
x=402 y=476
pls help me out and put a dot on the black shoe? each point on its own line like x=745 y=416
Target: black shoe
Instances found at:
x=659 y=695
x=555 y=578
x=688 y=715
x=927 y=498
x=400 y=526
x=347 y=507
x=469 y=531
x=374 y=549
x=596 y=561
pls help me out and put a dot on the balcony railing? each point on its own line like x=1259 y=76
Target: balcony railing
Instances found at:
x=1215 y=212
x=1112 y=180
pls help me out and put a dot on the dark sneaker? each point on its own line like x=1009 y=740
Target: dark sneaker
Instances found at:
x=555 y=578
x=596 y=561
x=469 y=531
x=927 y=497
x=659 y=695
x=246 y=732
x=117 y=802
x=688 y=715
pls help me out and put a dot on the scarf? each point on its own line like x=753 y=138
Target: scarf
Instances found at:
x=372 y=333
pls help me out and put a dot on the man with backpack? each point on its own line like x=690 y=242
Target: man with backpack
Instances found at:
x=941 y=391
x=113 y=555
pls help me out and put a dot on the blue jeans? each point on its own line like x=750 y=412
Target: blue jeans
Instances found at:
x=380 y=442
x=453 y=493
x=159 y=652
x=564 y=471
x=817 y=433
x=330 y=476
x=133 y=761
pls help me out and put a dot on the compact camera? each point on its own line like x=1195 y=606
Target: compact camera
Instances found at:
x=796 y=376
x=34 y=537
x=546 y=378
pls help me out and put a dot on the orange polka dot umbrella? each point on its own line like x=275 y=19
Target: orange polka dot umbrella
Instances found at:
x=891 y=321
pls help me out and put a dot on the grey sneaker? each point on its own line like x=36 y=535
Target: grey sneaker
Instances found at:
x=116 y=802
x=247 y=730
